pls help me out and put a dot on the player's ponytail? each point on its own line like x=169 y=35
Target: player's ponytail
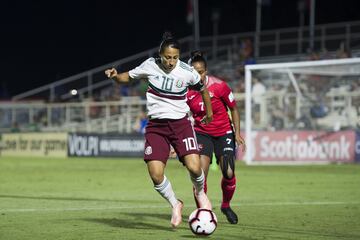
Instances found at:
x=197 y=56
x=168 y=40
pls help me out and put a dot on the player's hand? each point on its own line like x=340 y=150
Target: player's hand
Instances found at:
x=206 y=119
x=240 y=142
x=172 y=153
x=111 y=73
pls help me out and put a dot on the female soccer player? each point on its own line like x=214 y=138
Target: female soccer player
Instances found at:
x=219 y=135
x=169 y=124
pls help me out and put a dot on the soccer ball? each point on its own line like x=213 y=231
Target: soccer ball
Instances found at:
x=202 y=221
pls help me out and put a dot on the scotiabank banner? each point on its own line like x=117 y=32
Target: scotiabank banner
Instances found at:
x=105 y=145
x=305 y=146
x=357 y=147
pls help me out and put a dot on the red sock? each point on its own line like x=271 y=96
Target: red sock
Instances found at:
x=205 y=189
x=228 y=187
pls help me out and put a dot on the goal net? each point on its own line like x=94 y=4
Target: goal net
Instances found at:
x=302 y=112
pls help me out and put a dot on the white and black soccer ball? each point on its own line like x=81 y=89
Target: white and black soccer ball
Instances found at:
x=202 y=221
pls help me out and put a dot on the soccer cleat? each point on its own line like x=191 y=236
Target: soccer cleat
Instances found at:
x=202 y=200
x=196 y=201
x=176 y=214
x=230 y=215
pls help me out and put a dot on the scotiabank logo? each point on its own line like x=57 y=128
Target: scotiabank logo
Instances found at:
x=305 y=146
x=357 y=147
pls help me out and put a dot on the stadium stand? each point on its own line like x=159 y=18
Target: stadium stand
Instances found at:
x=100 y=106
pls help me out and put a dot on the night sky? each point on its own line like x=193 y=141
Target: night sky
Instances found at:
x=44 y=41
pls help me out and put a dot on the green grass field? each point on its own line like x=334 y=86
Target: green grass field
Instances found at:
x=83 y=198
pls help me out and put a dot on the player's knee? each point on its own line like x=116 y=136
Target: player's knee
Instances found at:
x=229 y=174
x=194 y=170
x=228 y=166
x=157 y=178
x=193 y=165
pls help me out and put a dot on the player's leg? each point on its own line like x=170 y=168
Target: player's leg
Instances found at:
x=184 y=142
x=192 y=163
x=206 y=148
x=225 y=152
x=204 y=162
x=163 y=186
x=155 y=155
x=206 y=151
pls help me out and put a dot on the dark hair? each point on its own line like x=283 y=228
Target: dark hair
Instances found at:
x=168 y=41
x=197 y=56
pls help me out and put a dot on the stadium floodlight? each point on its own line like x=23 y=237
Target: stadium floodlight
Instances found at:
x=312 y=97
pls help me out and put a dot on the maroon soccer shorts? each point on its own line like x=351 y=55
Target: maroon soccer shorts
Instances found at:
x=160 y=133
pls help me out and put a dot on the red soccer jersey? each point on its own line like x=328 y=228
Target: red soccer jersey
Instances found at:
x=221 y=98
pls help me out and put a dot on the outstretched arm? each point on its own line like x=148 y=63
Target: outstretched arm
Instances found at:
x=207 y=102
x=118 y=77
x=235 y=117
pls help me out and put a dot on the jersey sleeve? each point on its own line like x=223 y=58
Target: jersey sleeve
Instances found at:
x=227 y=96
x=195 y=82
x=142 y=70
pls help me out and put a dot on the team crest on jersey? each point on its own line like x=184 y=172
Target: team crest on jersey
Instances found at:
x=211 y=94
x=179 y=83
x=231 y=97
x=148 y=150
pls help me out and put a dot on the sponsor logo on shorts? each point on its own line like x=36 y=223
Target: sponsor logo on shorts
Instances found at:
x=148 y=150
x=228 y=149
x=201 y=146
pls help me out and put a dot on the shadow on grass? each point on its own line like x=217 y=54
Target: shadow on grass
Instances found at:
x=142 y=215
x=140 y=221
x=214 y=236
x=128 y=223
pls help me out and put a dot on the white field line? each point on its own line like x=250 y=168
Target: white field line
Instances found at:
x=166 y=206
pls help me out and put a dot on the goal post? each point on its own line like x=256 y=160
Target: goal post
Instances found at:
x=304 y=112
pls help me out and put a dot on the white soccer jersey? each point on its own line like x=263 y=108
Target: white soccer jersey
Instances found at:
x=166 y=95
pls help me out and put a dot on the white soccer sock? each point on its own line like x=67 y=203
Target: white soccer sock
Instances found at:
x=166 y=191
x=199 y=183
